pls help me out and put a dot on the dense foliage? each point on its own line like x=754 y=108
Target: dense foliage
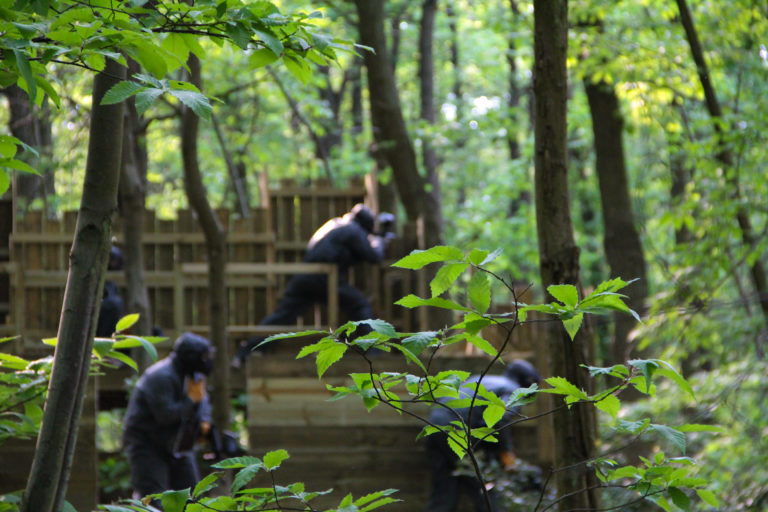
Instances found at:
x=704 y=315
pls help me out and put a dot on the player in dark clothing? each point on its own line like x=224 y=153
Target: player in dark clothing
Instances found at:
x=168 y=410
x=112 y=305
x=345 y=241
x=446 y=483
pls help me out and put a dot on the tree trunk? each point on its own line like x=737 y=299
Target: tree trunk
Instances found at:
x=389 y=129
x=574 y=428
x=621 y=241
x=215 y=244
x=31 y=125
x=239 y=186
x=724 y=155
x=49 y=477
x=427 y=82
x=131 y=203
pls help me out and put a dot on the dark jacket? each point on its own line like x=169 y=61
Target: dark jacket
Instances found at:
x=344 y=242
x=159 y=407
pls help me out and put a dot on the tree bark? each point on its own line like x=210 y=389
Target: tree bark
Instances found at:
x=238 y=183
x=215 y=244
x=31 y=125
x=621 y=241
x=49 y=476
x=389 y=129
x=131 y=204
x=427 y=83
x=724 y=154
x=574 y=428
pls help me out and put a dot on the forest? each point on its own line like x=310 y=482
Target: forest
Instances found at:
x=604 y=157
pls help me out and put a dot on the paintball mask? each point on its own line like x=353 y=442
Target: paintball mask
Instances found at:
x=522 y=372
x=195 y=354
x=386 y=222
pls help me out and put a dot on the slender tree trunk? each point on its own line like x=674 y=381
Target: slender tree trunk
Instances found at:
x=215 y=244
x=558 y=255
x=238 y=184
x=389 y=129
x=32 y=126
x=356 y=91
x=49 y=477
x=131 y=203
x=427 y=82
x=621 y=241
x=724 y=154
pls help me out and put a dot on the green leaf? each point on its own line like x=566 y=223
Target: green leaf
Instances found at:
x=96 y=61
x=565 y=293
x=416 y=343
x=482 y=344
x=5 y=182
x=480 y=292
x=206 y=484
x=572 y=325
x=9 y=145
x=127 y=322
x=121 y=91
x=328 y=356
x=477 y=256
x=561 y=386
x=298 y=67
x=692 y=427
x=239 y=33
x=676 y=437
x=446 y=276
x=262 y=57
x=26 y=72
x=610 y=404
x=237 y=462
x=245 y=475
x=270 y=40
x=18 y=165
x=380 y=326
x=412 y=301
x=666 y=370
x=708 y=497
x=194 y=100
x=174 y=501
x=648 y=367
x=145 y=98
x=679 y=498
x=418 y=258
x=273 y=459
x=493 y=414
x=126 y=359
x=457 y=440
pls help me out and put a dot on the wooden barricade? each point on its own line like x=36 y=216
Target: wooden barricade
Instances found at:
x=339 y=444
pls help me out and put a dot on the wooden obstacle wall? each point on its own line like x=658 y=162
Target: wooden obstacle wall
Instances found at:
x=272 y=239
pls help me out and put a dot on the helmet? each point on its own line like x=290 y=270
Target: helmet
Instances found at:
x=194 y=354
x=522 y=372
x=363 y=216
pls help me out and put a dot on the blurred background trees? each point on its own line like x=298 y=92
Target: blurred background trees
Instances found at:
x=662 y=187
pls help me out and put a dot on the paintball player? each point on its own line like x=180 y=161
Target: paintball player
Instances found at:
x=167 y=412
x=447 y=484
x=345 y=241
x=112 y=305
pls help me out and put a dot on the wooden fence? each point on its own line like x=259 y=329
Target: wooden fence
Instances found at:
x=263 y=251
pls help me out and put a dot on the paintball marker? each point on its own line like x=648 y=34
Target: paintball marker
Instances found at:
x=222 y=445
x=386 y=222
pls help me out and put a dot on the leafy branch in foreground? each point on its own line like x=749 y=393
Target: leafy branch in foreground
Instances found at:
x=659 y=480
